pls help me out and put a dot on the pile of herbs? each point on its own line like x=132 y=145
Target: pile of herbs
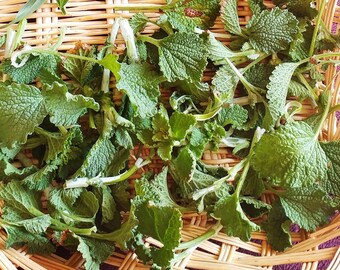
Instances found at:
x=59 y=107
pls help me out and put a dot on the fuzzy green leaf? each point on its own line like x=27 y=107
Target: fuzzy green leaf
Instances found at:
x=155 y=190
x=277 y=93
x=36 y=243
x=35 y=65
x=235 y=115
x=230 y=18
x=272 y=31
x=331 y=182
x=225 y=82
x=141 y=84
x=98 y=159
x=186 y=15
x=62 y=4
x=307 y=207
x=182 y=56
x=138 y=22
x=277 y=228
x=181 y=124
x=21 y=110
x=290 y=156
x=163 y=224
x=94 y=251
x=36 y=225
x=63 y=107
x=232 y=217
x=300 y=8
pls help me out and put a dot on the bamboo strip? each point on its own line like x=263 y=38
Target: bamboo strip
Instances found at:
x=297 y=257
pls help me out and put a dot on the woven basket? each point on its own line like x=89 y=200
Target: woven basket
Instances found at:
x=90 y=22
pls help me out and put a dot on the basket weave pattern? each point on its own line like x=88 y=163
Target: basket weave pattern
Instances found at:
x=90 y=22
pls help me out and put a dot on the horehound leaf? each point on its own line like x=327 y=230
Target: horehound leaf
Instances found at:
x=22 y=109
x=272 y=31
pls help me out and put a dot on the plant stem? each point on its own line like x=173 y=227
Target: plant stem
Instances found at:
x=324 y=115
x=149 y=40
x=85 y=182
x=257 y=60
x=198 y=240
x=207 y=116
x=316 y=29
x=62 y=226
x=191 y=245
x=307 y=85
x=334 y=109
x=105 y=87
x=130 y=41
x=320 y=56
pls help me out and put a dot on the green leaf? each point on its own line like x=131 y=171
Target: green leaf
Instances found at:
x=60 y=197
x=163 y=224
x=98 y=159
x=254 y=208
x=307 y=207
x=108 y=205
x=256 y=6
x=36 y=225
x=141 y=84
x=155 y=190
x=74 y=211
x=290 y=156
x=253 y=184
x=224 y=83
x=164 y=150
x=277 y=227
x=161 y=126
x=300 y=8
x=42 y=178
x=181 y=124
x=183 y=166
x=259 y=75
x=36 y=243
x=83 y=72
x=110 y=61
x=186 y=15
x=325 y=40
x=63 y=107
x=138 y=22
x=297 y=89
x=277 y=92
x=234 y=115
x=229 y=16
x=16 y=196
x=182 y=56
x=25 y=11
x=59 y=146
x=8 y=171
x=272 y=31
x=94 y=251
x=123 y=235
x=62 y=4
x=331 y=183
x=21 y=110
x=299 y=48
x=32 y=69
x=228 y=210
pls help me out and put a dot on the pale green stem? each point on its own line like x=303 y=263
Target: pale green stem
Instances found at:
x=316 y=29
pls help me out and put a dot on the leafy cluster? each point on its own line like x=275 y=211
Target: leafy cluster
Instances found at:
x=80 y=136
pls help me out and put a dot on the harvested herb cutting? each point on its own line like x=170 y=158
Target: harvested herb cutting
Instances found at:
x=82 y=140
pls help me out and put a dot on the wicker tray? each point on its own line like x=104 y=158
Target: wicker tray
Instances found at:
x=90 y=22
